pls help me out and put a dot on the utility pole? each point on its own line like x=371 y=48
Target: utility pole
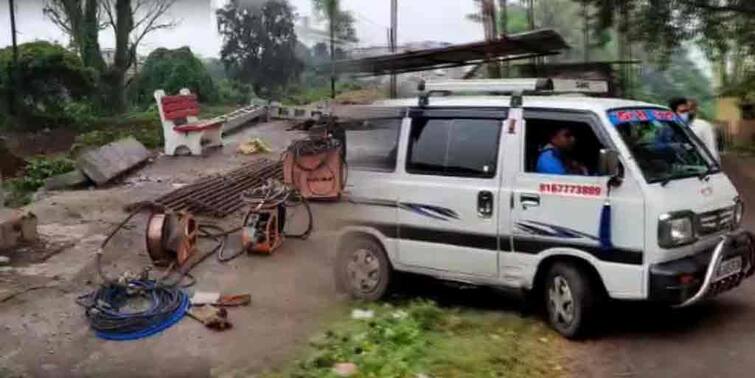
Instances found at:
x=504 y=16
x=332 y=16
x=623 y=45
x=393 y=44
x=14 y=63
x=586 y=30
x=531 y=26
x=490 y=26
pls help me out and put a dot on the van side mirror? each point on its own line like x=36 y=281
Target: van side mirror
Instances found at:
x=608 y=162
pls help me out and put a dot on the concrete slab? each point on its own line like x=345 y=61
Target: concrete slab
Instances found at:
x=111 y=160
x=66 y=180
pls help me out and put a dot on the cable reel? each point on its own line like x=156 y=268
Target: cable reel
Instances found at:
x=171 y=238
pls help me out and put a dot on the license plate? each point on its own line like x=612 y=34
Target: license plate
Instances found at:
x=728 y=268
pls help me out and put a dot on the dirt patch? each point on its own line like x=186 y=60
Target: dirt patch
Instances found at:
x=49 y=141
x=34 y=253
x=10 y=163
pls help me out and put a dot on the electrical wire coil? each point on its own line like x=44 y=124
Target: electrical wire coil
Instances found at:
x=109 y=314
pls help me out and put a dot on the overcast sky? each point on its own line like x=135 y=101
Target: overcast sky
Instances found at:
x=419 y=20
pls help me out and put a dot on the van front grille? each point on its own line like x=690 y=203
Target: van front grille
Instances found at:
x=715 y=221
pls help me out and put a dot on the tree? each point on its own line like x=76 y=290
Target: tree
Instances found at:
x=725 y=29
x=340 y=25
x=130 y=21
x=173 y=70
x=342 y=21
x=259 y=44
x=53 y=79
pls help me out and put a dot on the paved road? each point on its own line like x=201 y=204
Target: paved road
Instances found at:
x=715 y=339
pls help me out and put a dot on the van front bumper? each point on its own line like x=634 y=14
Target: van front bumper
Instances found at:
x=688 y=280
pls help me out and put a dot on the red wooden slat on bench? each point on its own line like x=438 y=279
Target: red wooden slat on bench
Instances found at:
x=198 y=126
x=180 y=106
x=183 y=105
x=181 y=114
x=178 y=98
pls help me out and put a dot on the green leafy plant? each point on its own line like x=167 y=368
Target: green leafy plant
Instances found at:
x=418 y=337
x=48 y=79
x=37 y=170
x=172 y=70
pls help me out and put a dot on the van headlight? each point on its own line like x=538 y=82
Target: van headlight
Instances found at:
x=738 y=214
x=676 y=229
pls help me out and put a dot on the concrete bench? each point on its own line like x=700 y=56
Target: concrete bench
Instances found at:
x=181 y=127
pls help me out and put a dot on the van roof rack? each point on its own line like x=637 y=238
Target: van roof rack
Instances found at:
x=514 y=87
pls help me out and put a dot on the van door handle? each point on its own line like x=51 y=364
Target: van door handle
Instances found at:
x=529 y=200
x=485 y=204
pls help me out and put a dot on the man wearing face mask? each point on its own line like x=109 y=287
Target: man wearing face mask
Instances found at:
x=687 y=111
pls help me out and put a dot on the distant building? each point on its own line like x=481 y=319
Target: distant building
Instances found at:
x=736 y=120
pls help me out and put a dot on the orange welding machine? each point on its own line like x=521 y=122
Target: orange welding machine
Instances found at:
x=262 y=231
x=315 y=167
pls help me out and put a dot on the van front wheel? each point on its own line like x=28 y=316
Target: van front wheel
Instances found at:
x=569 y=299
x=363 y=269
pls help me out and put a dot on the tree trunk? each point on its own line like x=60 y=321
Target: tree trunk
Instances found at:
x=88 y=30
x=116 y=74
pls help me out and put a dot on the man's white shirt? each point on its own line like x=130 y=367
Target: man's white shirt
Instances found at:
x=704 y=130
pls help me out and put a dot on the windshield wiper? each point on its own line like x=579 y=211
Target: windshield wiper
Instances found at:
x=666 y=181
x=705 y=174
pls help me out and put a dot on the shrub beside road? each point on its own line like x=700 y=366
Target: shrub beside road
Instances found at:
x=419 y=338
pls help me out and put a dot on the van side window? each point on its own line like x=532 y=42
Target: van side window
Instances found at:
x=454 y=147
x=372 y=144
x=581 y=158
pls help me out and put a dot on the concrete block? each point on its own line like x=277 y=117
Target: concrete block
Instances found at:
x=66 y=180
x=16 y=226
x=111 y=160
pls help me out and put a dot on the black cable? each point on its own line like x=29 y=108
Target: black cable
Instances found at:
x=113 y=309
x=273 y=194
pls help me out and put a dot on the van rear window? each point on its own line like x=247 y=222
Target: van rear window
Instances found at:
x=454 y=147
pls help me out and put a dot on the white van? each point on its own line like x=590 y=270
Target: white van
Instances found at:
x=448 y=186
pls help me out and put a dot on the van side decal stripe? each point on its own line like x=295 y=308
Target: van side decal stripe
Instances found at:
x=430 y=211
x=545 y=229
x=615 y=255
x=527 y=245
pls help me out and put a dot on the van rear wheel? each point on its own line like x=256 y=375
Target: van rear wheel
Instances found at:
x=363 y=269
x=569 y=300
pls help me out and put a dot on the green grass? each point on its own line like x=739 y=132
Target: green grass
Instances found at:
x=407 y=340
x=144 y=125
x=18 y=190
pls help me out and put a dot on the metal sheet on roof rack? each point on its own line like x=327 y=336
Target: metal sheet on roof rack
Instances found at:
x=514 y=46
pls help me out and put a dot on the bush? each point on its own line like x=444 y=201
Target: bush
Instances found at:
x=172 y=70
x=144 y=126
x=234 y=92
x=50 y=80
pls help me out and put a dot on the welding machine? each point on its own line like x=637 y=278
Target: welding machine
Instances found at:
x=262 y=231
x=315 y=167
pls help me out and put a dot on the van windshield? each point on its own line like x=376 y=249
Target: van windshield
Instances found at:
x=663 y=147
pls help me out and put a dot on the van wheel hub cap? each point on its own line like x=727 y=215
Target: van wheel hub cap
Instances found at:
x=560 y=301
x=364 y=270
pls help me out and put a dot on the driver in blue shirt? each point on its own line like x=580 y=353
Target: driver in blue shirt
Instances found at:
x=553 y=160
